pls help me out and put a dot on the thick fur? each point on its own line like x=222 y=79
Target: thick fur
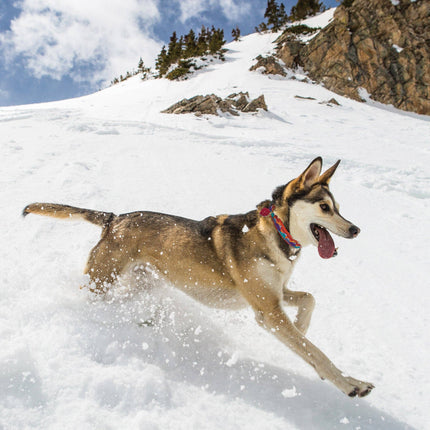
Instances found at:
x=228 y=261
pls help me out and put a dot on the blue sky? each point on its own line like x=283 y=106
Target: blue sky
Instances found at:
x=57 y=49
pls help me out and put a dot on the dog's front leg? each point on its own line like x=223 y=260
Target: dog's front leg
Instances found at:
x=305 y=303
x=271 y=316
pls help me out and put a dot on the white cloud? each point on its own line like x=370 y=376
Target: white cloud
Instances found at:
x=191 y=8
x=232 y=10
x=90 y=40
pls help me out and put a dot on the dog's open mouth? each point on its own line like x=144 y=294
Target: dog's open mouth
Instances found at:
x=326 y=246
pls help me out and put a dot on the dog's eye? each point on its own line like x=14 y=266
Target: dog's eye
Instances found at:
x=325 y=207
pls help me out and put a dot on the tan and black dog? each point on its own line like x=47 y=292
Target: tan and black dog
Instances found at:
x=231 y=261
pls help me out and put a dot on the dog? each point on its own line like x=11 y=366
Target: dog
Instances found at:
x=231 y=261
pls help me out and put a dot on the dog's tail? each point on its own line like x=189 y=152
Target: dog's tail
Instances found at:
x=101 y=219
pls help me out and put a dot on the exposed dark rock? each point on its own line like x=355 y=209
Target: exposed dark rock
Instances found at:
x=304 y=98
x=240 y=100
x=198 y=105
x=333 y=101
x=254 y=105
x=370 y=44
x=212 y=105
x=290 y=51
x=270 y=66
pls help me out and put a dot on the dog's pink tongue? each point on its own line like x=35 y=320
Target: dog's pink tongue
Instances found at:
x=326 y=245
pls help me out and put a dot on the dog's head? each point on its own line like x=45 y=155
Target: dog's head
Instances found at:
x=312 y=210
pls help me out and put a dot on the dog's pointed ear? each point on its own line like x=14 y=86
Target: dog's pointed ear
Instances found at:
x=311 y=175
x=326 y=176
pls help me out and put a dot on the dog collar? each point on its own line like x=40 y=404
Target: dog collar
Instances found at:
x=285 y=234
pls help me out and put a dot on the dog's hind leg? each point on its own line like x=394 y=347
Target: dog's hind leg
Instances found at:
x=103 y=267
x=305 y=303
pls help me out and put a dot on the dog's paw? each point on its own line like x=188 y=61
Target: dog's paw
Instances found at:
x=358 y=388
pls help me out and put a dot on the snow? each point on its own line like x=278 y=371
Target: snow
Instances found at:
x=321 y=20
x=290 y=392
x=148 y=357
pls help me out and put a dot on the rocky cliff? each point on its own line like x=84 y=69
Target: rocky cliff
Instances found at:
x=382 y=46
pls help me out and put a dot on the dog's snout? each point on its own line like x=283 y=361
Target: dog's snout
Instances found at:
x=354 y=230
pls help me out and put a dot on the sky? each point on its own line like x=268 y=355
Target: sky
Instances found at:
x=57 y=49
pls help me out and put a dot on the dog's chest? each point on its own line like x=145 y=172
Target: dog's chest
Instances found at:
x=276 y=269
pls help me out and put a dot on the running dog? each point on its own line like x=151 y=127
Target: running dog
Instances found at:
x=231 y=261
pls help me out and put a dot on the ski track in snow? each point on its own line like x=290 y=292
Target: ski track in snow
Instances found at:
x=71 y=360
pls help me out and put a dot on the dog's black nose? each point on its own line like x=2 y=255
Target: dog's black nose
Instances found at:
x=354 y=230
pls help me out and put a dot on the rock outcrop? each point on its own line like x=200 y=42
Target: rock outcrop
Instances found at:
x=212 y=105
x=381 y=46
x=268 y=66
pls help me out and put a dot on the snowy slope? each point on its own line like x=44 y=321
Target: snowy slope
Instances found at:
x=70 y=360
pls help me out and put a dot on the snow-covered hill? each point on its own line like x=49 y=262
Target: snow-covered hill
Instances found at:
x=70 y=360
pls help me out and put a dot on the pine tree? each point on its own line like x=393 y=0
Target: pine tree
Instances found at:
x=275 y=15
x=305 y=8
x=235 y=33
x=141 y=68
x=174 y=48
x=216 y=40
x=283 y=16
x=272 y=14
x=262 y=27
x=162 y=62
x=180 y=47
x=190 y=45
x=180 y=50
x=202 y=41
